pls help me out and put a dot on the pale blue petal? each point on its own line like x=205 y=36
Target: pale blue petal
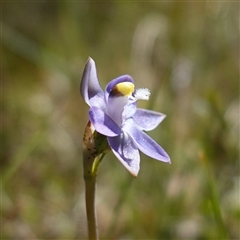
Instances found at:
x=129 y=110
x=90 y=87
x=147 y=120
x=103 y=123
x=98 y=101
x=126 y=151
x=115 y=107
x=145 y=144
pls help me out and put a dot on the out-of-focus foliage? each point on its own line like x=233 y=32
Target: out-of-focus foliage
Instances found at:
x=186 y=53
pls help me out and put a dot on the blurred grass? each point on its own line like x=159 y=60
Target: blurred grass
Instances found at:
x=186 y=53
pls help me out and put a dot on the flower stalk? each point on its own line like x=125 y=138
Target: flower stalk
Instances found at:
x=94 y=148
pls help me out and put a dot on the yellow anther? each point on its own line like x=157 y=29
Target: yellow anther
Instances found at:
x=125 y=88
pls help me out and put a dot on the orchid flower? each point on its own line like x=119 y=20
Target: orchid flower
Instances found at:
x=114 y=114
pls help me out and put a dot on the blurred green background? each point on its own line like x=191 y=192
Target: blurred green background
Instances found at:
x=186 y=53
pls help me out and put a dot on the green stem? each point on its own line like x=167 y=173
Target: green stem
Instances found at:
x=90 y=187
x=94 y=149
x=90 y=175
